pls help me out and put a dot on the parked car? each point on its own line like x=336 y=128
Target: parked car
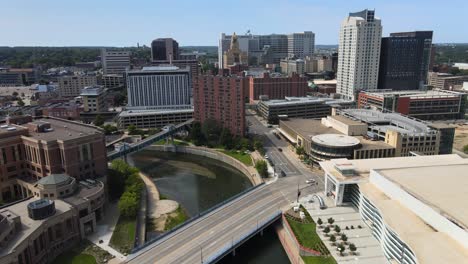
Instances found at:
x=280 y=149
x=310 y=181
x=283 y=174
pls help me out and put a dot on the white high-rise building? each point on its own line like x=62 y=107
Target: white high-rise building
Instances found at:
x=301 y=45
x=358 y=53
x=159 y=87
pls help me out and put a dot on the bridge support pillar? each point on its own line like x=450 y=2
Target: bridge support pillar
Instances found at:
x=234 y=252
x=261 y=232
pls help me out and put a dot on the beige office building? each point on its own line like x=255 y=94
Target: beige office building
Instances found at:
x=71 y=86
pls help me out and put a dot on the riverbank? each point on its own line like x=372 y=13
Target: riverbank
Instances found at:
x=248 y=171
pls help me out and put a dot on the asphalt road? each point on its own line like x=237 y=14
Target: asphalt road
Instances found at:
x=196 y=242
x=211 y=233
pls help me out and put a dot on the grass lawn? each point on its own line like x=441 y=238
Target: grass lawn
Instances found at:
x=123 y=237
x=175 y=219
x=177 y=142
x=319 y=260
x=71 y=257
x=307 y=236
x=240 y=156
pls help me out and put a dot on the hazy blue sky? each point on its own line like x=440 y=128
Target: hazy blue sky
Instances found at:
x=199 y=22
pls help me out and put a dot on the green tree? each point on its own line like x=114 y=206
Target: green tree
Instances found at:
x=344 y=238
x=333 y=239
x=226 y=139
x=341 y=248
x=262 y=168
x=331 y=220
x=196 y=134
x=326 y=230
x=128 y=204
x=132 y=129
x=109 y=129
x=20 y=102
x=211 y=131
x=465 y=149
x=337 y=229
x=319 y=222
x=300 y=151
x=98 y=120
x=14 y=94
x=352 y=248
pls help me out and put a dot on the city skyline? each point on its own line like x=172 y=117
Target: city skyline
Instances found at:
x=122 y=23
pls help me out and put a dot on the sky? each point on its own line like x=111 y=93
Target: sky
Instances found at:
x=199 y=22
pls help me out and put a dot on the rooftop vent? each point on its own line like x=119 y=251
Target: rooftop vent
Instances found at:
x=346 y=169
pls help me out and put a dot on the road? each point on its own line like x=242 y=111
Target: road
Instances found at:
x=213 y=232
x=218 y=230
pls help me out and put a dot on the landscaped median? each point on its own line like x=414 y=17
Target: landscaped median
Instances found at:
x=311 y=247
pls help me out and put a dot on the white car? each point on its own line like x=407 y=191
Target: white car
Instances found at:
x=310 y=181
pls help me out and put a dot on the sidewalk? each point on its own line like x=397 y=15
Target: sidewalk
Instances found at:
x=104 y=231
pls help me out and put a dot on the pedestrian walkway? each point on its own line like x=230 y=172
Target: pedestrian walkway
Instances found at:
x=104 y=230
x=368 y=247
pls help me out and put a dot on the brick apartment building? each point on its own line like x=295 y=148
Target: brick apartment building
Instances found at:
x=277 y=87
x=31 y=150
x=221 y=98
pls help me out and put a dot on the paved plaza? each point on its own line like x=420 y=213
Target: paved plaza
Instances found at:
x=368 y=248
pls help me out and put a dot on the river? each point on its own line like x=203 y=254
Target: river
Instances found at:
x=199 y=183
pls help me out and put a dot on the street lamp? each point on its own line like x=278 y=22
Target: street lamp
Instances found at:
x=201 y=253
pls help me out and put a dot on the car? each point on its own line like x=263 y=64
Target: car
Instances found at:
x=283 y=174
x=310 y=181
x=266 y=157
x=269 y=126
x=280 y=149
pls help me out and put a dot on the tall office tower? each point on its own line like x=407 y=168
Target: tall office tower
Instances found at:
x=221 y=98
x=301 y=45
x=273 y=47
x=358 y=53
x=164 y=49
x=115 y=62
x=159 y=87
x=404 y=60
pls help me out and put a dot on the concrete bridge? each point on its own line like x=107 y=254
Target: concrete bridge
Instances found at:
x=210 y=237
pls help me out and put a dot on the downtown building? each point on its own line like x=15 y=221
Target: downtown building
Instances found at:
x=159 y=87
x=164 y=49
x=71 y=86
x=426 y=105
x=412 y=205
x=269 y=49
x=358 y=54
x=115 y=61
x=221 y=98
x=404 y=60
x=276 y=87
x=446 y=81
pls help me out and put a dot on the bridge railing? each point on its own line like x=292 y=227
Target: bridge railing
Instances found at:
x=166 y=235
x=241 y=239
x=147 y=141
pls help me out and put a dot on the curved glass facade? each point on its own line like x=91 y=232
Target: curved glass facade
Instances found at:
x=323 y=152
x=393 y=247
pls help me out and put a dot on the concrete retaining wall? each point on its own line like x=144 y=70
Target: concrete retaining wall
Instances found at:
x=250 y=172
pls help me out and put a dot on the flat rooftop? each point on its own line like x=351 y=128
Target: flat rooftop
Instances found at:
x=389 y=121
x=63 y=130
x=309 y=128
x=443 y=187
x=28 y=226
x=415 y=94
x=129 y=113
x=363 y=166
x=303 y=100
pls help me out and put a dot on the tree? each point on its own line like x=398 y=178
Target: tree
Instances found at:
x=319 y=222
x=14 y=94
x=326 y=230
x=128 y=204
x=333 y=239
x=331 y=220
x=352 y=248
x=196 y=134
x=341 y=248
x=262 y=168
x=98 y=120
x=465 y=149
x=226 y=139
x=109 y=129
x=337 y=229
x=131 y=129
x=20 y=102
x=211 y=131
x=300 y=151
x=258 y=146
x=344 y=238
